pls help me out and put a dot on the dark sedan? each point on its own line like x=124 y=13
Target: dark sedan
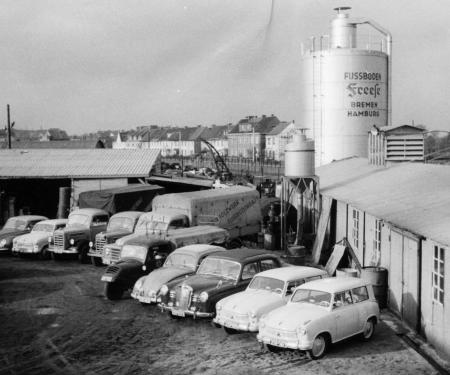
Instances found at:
x=218 y=276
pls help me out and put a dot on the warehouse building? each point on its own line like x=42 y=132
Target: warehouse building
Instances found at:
x=398 y=218
x=30 y=180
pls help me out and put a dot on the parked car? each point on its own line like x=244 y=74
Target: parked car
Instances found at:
x=267 y=291
x=320 y=313
x=119 y=225
x=16 y=226
x=218 y=276
x=137 y=258
x=183 y=262
x=81 y=228
x=36 y=242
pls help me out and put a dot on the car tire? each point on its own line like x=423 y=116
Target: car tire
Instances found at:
x=368 y=330
x=230 y=331
x=96 y=261
x=273 y=349
x=319 y=347
x=113 y=291
x=44 y=254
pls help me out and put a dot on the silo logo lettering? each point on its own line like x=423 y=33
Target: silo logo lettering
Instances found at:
x=362 y=76
x=357 y=89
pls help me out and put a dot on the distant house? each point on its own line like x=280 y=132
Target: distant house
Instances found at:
x=247 y=138
x=217 y=137
x=277 y=140
x=54 y=134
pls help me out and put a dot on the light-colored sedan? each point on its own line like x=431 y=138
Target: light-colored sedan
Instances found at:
x=182 y=262
x=36 y=242
x=267 y=291
x=320 y=313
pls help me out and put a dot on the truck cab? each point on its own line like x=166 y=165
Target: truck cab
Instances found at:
x=82 y=227
x=119 y=225
x=138 y=258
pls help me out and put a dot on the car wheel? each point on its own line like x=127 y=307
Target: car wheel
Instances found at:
x=273 y=349
x=113 y=291
x=44 y=254
x=96 y=261
x=319 y=347
x=369 y=330
x=230 y=331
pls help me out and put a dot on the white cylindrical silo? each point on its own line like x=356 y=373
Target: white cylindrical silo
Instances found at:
x=345 y=90
x=299 y=157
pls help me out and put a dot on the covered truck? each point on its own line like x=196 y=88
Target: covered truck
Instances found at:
x=133 y=197
x=236 y=209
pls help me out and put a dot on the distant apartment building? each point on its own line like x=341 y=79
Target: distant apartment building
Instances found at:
x=248 y=137
x=277 y=140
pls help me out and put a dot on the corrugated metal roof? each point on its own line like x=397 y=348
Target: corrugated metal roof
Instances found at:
x=411 y=196
x=88 y=163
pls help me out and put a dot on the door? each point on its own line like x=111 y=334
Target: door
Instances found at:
x=410 y=280
x=396 y=273
x=345 y=315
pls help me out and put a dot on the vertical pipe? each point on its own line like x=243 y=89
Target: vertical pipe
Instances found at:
x=9 y=126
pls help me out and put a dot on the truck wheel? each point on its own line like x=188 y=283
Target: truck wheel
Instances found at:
x=113 y=291
x=96 y=261
x=82 y=254
x=44 y=254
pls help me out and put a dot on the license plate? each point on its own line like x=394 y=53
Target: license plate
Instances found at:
x=106 y=278
x=57 y=251
x=178 y=313
x=144 y=299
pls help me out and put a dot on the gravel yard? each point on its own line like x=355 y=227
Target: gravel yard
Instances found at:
x=55 y=320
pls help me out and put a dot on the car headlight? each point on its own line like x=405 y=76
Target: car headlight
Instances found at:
x=107 y=251
x=50 y=239
x=72 y=241
x=203 y=297
x=2 y=243
x=91 y=244
x=164 y=290
x=301 y=331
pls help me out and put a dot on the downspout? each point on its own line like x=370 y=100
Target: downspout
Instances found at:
x=419 y=288
x=388 y=36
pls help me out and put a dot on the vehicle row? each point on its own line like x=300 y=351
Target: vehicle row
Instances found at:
x=294 y=307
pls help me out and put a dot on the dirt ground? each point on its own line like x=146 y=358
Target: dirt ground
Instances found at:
x=55 y=320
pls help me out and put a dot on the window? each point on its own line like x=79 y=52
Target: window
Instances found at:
x=249 y=271
x=292 y=285
x=377 y=236
x=360 y=294
x=438 y=274
x=99 y=220
x=355 y=229
x=267 y=264
x=343 y=299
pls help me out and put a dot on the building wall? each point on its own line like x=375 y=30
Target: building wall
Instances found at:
x=242 y=144
x=435 y=322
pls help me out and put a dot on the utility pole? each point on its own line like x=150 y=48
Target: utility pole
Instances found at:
x=10 y=126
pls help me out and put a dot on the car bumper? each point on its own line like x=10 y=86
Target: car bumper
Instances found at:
x=58 y=250
x=4 y=249
x=142 y=299
x=248 y=327
x=279 y=342
x=183 y=313
x=24 y=250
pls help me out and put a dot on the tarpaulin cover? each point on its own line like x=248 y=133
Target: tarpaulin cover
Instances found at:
x=134 y=197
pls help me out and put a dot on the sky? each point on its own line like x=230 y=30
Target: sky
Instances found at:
x=92 y=65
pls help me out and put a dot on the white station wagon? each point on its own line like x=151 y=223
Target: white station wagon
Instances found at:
x=319 y=313
x=268 y=290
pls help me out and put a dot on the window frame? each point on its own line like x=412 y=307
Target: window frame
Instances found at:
x=355 y=227
x=438 y=275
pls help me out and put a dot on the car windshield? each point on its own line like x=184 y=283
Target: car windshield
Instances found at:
x=40 y=227
x=134 y=251
x=117 y=223
x=149 y=226
x=220 y=267
x=267 y=283
x=180 y=260
x=78 y=219
x=315 y=297
x=15 y=224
